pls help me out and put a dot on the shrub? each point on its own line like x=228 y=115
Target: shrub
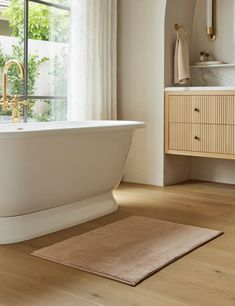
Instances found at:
x=44 y=23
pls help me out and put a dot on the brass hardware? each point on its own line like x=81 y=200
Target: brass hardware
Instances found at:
x=14 y=103
x=180 y=27
x=196 y=138
x=211 y=28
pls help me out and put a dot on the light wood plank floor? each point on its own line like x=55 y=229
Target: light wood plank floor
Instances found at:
x=205 y=277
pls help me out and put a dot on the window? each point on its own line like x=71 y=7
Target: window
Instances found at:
x=37 y=33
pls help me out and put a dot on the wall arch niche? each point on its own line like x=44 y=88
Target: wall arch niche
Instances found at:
x=192 y=14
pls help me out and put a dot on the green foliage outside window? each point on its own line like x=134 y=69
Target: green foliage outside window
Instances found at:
x=16 y=84
x=42 y=25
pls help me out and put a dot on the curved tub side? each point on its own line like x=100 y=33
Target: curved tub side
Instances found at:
x=28 y=226
x=52 y=182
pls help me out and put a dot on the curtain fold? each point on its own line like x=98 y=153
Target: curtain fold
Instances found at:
x=93 y=54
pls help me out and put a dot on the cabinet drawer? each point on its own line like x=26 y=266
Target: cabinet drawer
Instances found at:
x=202 y=109
x=203 y=138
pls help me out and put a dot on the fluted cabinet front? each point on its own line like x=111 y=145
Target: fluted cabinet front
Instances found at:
x=200 y=124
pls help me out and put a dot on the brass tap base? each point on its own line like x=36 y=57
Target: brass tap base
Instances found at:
x=13 y=105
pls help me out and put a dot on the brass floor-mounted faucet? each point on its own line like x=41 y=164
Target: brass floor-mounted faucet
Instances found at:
x=14 y=103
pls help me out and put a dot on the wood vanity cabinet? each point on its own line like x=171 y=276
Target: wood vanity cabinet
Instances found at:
x=200 y=123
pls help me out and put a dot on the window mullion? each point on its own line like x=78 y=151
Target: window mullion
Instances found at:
x=26 y=19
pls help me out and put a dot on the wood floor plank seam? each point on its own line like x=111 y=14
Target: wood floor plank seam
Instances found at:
x=206 y=277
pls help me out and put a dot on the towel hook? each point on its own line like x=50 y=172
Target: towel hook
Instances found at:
x=180 y=27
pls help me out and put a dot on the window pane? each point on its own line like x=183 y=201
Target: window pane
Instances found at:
x=48 y=50
x=11 y=42
x=48 y=110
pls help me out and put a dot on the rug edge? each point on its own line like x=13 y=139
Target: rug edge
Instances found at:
x=128 y=282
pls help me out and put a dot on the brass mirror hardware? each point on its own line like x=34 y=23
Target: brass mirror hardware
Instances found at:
x=14 y=103
x=211 y=20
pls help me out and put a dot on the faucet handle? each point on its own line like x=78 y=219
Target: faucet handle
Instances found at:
x=15 y=100
x=4 y=104
x=15 y=115
x=15 y=103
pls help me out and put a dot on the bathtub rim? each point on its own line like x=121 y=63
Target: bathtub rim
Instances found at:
x=59 y=128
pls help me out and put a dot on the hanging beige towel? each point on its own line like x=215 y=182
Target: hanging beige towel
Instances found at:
x=181 y=62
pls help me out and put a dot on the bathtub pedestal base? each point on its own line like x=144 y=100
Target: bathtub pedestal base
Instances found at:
x=25 y=227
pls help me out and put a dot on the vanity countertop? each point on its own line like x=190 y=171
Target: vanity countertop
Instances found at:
x=200 y=88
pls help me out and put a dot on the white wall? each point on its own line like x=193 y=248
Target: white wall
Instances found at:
x=141 y=85
x=141 y=82
x=213 y=170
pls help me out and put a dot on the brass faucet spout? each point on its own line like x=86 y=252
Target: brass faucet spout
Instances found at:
x=4 y=78
x=18 y=63
x=14 y=103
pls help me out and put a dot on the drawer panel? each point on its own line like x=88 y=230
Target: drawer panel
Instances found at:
x=203 y=138
x=213 y=109
x=202 y=109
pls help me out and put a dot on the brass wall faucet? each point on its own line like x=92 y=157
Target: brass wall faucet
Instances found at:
x=15 y=102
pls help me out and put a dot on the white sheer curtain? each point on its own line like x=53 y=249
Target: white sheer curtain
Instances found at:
x=92 y=77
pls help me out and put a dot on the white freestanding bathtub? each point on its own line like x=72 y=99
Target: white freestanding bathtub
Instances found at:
x=56 y=175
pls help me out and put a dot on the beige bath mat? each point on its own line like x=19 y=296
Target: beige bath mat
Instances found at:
x=128 y=250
